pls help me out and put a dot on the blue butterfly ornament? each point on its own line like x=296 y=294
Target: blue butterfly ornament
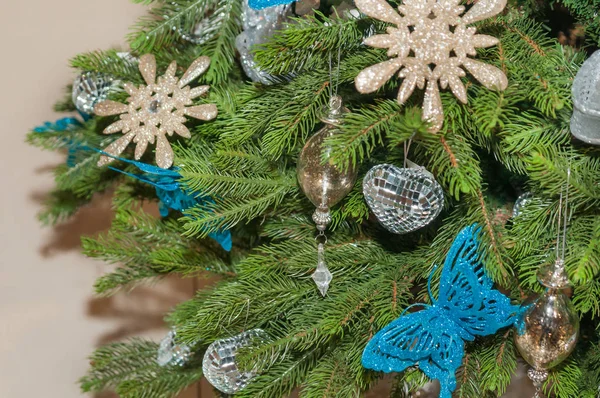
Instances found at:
x=433 y=338
x=262 y=4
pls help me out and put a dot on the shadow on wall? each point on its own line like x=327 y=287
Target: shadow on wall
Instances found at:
x=133 y=312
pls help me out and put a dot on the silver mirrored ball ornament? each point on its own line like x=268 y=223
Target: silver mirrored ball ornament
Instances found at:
x=172 y=354
x=219 y=364
x=90 y=88
x=403 y=199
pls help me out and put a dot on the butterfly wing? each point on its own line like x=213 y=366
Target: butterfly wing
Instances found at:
x=424 y=338
x=466 y=292
x=401 y=343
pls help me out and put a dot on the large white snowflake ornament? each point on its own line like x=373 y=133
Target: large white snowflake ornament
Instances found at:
x=156 y=110
x=430 y=43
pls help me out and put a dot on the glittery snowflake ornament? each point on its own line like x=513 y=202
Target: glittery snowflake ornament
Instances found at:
x=156 y=110
x=430 y=43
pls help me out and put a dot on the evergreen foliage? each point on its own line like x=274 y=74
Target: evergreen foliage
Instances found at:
x=489 y=150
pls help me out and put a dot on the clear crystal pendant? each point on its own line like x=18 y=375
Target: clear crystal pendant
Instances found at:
x=322 y=276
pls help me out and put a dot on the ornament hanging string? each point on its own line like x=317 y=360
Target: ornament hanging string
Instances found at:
x=334 y=91
x=407 y=145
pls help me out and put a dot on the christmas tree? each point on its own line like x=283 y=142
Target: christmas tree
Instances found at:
x=240 y=118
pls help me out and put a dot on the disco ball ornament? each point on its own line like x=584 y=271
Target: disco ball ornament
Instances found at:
x=258 y=27
x=520 y=203
x=219 y=364
x=585 y=122
x=403 y=199
x=90 y=88
x=170 y=353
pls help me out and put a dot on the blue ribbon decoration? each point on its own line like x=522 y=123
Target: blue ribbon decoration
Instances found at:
x=170 y=193
x=64 y=124
x=260 y=4
x=433 y=338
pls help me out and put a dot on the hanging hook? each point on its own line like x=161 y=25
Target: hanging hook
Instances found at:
x=566 y=215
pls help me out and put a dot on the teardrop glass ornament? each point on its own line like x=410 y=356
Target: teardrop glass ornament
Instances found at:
x=324 y=183
x=549 y=330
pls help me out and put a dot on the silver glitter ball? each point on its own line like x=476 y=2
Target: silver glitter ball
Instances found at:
x=403 y=199
x=259 y=26
x=172 y=354
x=90 y=88
x=521 y=202
x=585 y=122
x=219 y=364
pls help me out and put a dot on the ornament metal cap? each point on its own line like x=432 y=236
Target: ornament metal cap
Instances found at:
x=554 y=276
x=333 y=112
x=585 y=122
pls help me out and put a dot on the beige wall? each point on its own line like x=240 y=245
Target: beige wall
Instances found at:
x=49 y=318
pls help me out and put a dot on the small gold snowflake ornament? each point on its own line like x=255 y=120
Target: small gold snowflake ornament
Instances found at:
x=429 y=44
x=156 y=110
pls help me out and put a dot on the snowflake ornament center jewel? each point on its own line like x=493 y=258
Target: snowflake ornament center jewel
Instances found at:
x=429 y=45
x=156 y=110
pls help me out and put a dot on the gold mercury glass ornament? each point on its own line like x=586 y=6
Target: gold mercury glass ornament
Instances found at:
x=550 y=326
x=324 y=183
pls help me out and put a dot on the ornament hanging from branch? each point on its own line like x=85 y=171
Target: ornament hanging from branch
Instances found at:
x=170 y=353
x=324 y=183
x=585 y=122
x=403 y=199
x=428 y=46
x=220 y=366
x=548 y=330
x=258 y=27
x=156 y=110
x=89 y=89
x=433 y=338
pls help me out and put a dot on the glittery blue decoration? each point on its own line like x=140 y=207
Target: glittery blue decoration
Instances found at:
x=433 y=338
x=260 y=4
x=170 y=193
x=61 y=125
x=64 y=124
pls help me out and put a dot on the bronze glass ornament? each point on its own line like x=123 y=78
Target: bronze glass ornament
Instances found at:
x=324 y=183
x=549 y=331
x=403 y=199
x=549 y=328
